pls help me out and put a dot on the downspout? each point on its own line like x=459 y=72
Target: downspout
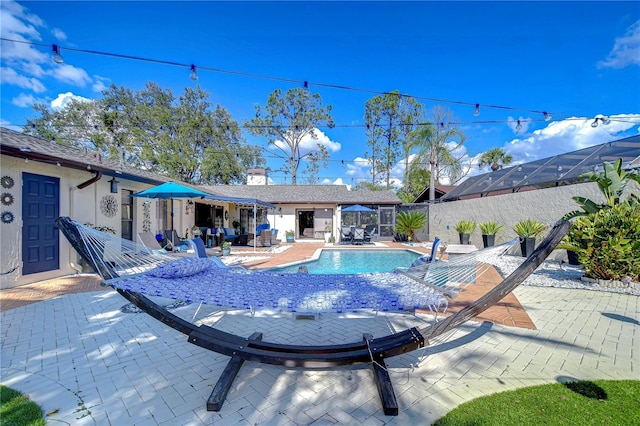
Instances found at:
x=96 y=177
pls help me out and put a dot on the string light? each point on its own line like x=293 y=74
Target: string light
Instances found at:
x=57 y=56
x=546 y=115
x=518 y=126
x=194 y=73
x=267 y=77
x=476 y=111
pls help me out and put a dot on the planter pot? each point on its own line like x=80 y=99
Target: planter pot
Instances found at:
x=572 y=257
x=226 y=251
x=527 y=246
x=464 y=238
x=488 y=240
x=290 y=239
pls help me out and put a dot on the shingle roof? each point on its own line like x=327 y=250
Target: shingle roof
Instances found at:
x=21 y=145
x=309 y=194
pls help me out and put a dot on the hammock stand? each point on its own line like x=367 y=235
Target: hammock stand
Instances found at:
x=370 y=350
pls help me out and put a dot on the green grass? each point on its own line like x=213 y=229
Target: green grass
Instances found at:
x=582 y=403
x=17 y=409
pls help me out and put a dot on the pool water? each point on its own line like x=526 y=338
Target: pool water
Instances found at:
x=355 y=261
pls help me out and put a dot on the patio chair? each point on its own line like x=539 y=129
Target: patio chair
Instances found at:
x=149 y=240
x=175 y=243
x=345 y=235
x=199 y=248
x=358 y=236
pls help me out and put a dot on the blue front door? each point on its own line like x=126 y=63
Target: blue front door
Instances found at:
x=40 y=208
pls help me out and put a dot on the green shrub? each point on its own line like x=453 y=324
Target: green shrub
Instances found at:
x=490 y=228
x=607 y=242
x=528 y=228
x=465 y=226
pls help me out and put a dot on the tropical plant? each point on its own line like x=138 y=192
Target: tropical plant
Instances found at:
x=289 y=233
x=528 y=228
x=436 y=145
x=225 y=245
x=490 y=228
x=408 y=223
x=465 y=226
x=612 y=182
x=496 y=158
x=288 y=121
x=607 y=242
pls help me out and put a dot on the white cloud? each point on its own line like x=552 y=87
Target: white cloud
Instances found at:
x=359 y=167
x=568 y=135
x=10 y=76
x=626 y=49
x=309 y=144
x=70 y=74
x=59 y=34
x=24 y=100
x=64 y=98
x=100 y=83
x=13 y=22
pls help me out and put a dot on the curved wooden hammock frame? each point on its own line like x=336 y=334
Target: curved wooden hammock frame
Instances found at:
x=369 y=350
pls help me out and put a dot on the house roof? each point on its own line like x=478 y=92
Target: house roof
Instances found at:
x=305 y=194
x=20 y=145
x=440 y=190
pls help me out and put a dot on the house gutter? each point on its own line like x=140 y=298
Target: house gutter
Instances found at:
x=96 y=177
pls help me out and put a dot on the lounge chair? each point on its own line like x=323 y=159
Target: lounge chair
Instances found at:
x=175 y=243
x=149 y=240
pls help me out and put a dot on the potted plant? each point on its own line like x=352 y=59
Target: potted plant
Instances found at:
x=465 y=228
x=527 y=230
x=489 y=230
x=225 y=246
x=407 y=223
x=290 y=236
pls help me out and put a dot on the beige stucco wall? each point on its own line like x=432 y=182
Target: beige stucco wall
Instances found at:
x=546 y=205
x=285 y=220
x=82 y=205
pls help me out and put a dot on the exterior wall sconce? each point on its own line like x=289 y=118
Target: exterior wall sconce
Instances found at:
x=280 y=211
x=114 y=186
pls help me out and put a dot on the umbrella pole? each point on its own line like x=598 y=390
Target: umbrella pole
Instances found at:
x=255 y=226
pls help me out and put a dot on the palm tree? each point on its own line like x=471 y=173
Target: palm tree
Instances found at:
x=433 y=144
x=496 y=158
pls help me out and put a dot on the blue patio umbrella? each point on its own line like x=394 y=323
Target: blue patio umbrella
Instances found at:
x=170 y=190
x=357 y=208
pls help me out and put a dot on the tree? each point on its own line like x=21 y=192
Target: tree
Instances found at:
x=436 y=144
x=496 y=158
x=185 y=138
x=417 y=179
x=390 y=119
x=287 y=121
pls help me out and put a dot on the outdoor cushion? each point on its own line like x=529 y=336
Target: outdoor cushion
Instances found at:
x=181 y=268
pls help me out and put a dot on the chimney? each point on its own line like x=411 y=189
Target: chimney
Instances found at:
x=256 y=177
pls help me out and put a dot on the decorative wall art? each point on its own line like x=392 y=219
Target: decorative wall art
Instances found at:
x=109 y=206
x=7 y=199
x=7 y=182
x=7 y=217
x=146 y=221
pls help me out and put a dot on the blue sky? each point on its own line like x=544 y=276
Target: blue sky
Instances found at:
x=577 y=60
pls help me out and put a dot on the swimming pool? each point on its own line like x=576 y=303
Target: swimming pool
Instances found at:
x=354 y=261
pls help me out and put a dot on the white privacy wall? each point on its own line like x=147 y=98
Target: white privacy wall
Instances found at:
x=546 y=205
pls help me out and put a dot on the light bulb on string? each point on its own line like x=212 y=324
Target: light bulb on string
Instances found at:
x=546 y=115
x=476 y=111
x=194 y=73
x=595 y=123
x=605 y=120
x=518 y=125
x=56 y=55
